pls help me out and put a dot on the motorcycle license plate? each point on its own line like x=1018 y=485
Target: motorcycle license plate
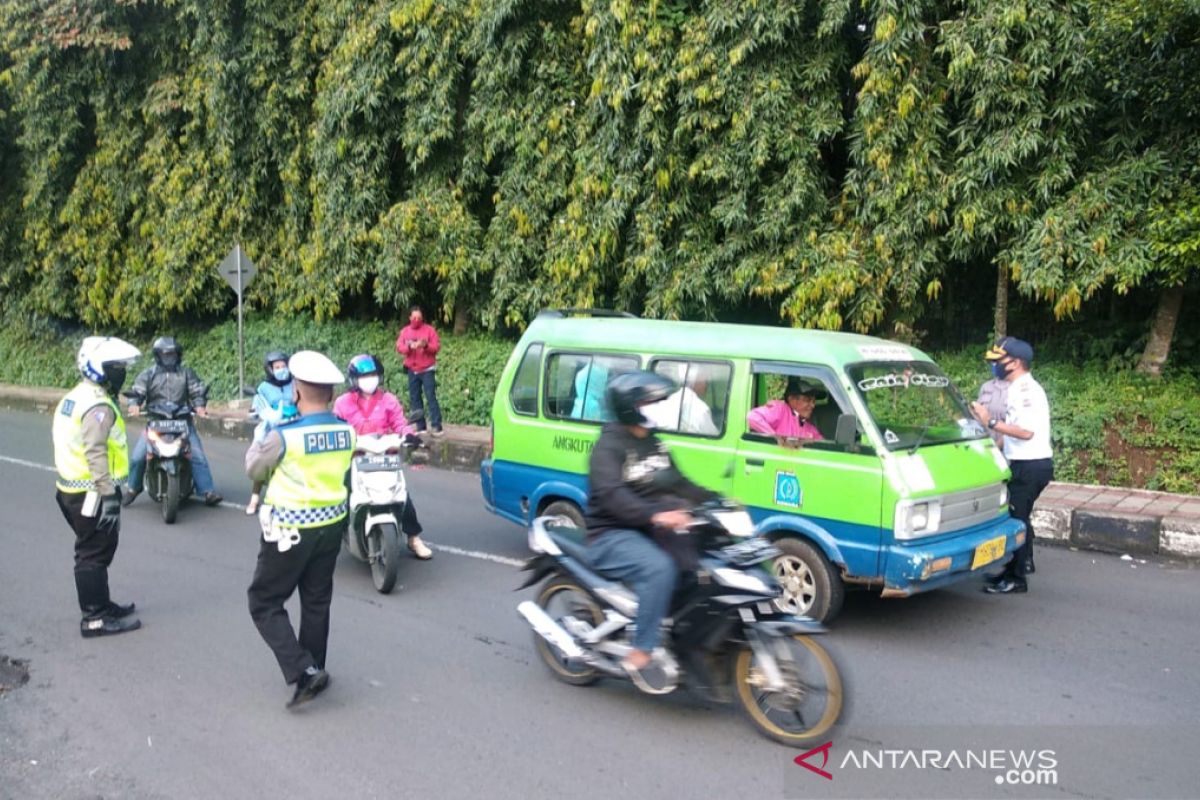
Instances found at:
x=378 y=463
x=988 y=552
x=169 y=425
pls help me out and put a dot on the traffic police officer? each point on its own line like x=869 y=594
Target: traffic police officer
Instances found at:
x=91 y=456
x=303 y=516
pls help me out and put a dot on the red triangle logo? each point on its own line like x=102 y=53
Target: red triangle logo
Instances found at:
x=802 y=760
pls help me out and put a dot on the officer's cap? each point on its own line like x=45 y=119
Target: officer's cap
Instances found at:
x=1010 y=347
x=313 y=367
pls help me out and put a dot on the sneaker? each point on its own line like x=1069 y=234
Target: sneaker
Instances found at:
x=312 y=682
x=252 y=506
x=212 y=498
x=419 y=548
x=129 y=496
x=438 y=433
x=107 y=625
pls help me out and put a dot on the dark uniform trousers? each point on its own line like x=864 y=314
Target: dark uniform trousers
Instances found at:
x=1029 y=478
x=94 y=551
x=308 y=566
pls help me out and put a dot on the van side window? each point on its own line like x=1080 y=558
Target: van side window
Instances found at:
x=523 y=395
x=699 y=405
x=810 y=414
x=575 y=384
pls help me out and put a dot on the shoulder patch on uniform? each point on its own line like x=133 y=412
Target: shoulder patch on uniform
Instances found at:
x=99 y=415
x=68 y=407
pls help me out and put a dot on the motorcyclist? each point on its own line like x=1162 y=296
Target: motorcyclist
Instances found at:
x=371 y=409
x=168 y=381
x=274 y=402
x=638 y=500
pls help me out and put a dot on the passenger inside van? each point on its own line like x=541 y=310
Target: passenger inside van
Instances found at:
x=790 y=420
x=683 y=411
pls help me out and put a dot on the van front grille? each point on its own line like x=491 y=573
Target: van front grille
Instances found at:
x=969 y=508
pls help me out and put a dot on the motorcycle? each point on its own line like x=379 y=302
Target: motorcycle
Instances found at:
x=378 y=494
x=725 y=635
x=168 y=456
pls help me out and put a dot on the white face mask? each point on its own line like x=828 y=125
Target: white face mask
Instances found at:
x=368 y=384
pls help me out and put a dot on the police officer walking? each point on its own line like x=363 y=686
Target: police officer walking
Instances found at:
x=1026 y=430
x=303 y=516
x=91 y=456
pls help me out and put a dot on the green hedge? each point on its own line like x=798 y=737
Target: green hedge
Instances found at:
x=1111 y=426
x=468 y=366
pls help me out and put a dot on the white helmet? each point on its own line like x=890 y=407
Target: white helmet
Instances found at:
x=98 y=351
x=312 y=367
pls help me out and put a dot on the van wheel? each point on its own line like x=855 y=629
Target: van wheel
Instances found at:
x=811 y=588
x=565 y=508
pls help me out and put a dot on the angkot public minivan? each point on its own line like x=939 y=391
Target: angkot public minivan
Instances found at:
x=903 y=493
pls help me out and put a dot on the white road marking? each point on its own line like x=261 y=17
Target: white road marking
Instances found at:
x=441 y=548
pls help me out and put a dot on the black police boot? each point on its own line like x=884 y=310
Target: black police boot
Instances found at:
x=102 y=598
x=312 y=682
x=1013 y=585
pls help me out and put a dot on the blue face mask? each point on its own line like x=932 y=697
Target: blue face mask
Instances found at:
x=282 y=375
x=999 y=371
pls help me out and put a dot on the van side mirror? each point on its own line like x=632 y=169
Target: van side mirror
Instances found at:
x=846 y=434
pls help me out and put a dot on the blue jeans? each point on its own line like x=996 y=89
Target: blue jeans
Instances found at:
x=633 y=557
x=201 y=472
x=426 y=381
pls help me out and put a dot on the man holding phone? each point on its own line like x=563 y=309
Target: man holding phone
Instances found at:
x=418 y=346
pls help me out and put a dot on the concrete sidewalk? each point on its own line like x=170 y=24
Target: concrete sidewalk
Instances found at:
x=1105 y=518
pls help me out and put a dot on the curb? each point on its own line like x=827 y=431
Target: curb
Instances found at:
x=449 y=452
x=1103 y=530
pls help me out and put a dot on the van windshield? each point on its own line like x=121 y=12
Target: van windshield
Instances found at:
x=913 y=403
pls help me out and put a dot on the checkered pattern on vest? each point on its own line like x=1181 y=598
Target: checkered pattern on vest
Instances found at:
x=309 y=516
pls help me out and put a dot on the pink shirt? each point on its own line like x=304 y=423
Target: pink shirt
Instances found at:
x=377 y=413
x=778 y=419
x=423 y=358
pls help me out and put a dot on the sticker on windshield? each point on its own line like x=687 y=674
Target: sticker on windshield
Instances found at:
x=890 y=437
x=907 y=379
x=787 y=490
x=885 y=352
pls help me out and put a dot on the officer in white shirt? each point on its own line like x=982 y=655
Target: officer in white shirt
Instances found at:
x=1026 y=431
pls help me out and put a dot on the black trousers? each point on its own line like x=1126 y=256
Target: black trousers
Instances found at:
x=1029 y=478
x=94 y=553
x=307 y=566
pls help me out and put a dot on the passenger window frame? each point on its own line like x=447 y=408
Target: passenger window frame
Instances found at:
x=828 y=378
x=548 y=362
x=537 y=383
x=655 y=360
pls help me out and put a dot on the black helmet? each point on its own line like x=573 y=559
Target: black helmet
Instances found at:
x=167 y=352
x=364 y=364
x=271 y=358
x=630 y=390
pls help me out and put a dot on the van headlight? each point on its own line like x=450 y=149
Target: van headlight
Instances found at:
x=916 y=518
x=1003 y=495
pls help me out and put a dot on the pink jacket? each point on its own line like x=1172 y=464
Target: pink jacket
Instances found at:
x=421 y=359
x=378 y=413
x=778 y=419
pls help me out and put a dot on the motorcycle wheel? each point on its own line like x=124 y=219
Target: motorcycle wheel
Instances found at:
x=384 y=542
x=560 y=598
x=170 y=500
x=811 y=704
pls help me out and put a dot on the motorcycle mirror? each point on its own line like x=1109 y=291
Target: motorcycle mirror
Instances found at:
x=847 y=432
x=248 y=391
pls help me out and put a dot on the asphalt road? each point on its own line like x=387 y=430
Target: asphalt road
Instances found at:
x=437 y=690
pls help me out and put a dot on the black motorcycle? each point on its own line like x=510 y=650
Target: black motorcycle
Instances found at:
x=724 y=627
x=168 y=456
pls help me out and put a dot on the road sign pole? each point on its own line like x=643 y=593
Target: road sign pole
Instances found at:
x=241 y=337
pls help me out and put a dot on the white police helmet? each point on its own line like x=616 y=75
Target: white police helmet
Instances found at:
x=312 y=367
x=97 y=351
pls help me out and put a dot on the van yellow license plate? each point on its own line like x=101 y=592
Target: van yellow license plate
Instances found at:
x=988 y=552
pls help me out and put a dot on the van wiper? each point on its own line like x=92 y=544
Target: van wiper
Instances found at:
x=920 y=439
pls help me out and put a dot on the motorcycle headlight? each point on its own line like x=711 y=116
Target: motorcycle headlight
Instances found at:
x=737 y=523
x=737 y=579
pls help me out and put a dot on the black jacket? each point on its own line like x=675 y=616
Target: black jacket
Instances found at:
x=181 y=386
x=633 y=479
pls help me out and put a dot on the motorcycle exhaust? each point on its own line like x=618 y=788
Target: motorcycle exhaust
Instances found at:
x=549 y=630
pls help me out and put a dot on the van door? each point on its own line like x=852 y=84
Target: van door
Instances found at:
x=838 y=489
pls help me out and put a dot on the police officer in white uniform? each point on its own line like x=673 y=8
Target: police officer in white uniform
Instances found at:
x=303 y=516
x=1026 y=431
x=91 y=457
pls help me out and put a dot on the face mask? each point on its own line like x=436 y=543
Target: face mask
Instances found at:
x=282 y=375
x=369 y=384
x=999 y=370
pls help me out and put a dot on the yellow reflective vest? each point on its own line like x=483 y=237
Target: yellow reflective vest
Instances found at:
x=308 y=486
x=70 y=459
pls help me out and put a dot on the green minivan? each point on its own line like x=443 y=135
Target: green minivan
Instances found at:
x=903 y=492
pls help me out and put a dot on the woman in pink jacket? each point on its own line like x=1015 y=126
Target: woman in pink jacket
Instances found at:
x=789 y=420
x=370 y=409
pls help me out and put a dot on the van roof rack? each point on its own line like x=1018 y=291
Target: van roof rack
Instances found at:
x=584 y=312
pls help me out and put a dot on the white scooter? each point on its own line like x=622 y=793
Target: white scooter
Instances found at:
x=378 y=494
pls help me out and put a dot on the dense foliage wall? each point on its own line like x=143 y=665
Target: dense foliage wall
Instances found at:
x=835 y=161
